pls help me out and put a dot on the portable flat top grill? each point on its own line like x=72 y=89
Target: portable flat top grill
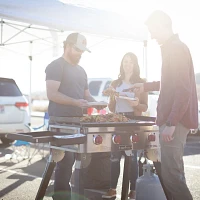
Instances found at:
x=72 y=134
x=142 y=120
x=90 y=137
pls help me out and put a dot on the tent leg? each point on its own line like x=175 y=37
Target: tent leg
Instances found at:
x=145 y=59
x=125 y=183
x=30 y=76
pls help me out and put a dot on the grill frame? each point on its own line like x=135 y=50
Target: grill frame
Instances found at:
x=78 y=136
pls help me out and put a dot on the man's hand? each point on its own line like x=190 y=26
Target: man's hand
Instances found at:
x=167 y=134
x=138 y=87
x=82 y=103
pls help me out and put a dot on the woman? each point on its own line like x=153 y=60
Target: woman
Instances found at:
x=129 y=74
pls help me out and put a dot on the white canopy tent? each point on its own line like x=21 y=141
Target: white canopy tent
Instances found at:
x=55 y=16
x=67 y=17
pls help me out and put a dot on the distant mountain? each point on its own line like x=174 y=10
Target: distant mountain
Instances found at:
x=39 y=95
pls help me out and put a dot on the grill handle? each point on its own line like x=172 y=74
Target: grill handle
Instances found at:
x=69 y=139
x=145 y=118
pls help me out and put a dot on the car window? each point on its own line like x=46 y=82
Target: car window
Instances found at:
x=107 y=85
x=94 y=87
x=197 y=78
x=9 y=89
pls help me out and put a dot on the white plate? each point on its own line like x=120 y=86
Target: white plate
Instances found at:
x=127 y=98
x=97 y=104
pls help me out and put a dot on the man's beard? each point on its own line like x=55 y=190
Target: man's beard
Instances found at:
x=74 y=58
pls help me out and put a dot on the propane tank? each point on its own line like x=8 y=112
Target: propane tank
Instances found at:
x=148 y=186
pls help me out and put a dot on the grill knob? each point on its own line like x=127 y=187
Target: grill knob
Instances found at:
x=151 y=137
x=97 y=139
x=116 y=139
x=134 y=138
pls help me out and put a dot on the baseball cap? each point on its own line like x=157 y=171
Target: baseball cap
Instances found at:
x=78 y=40
x=158 y=17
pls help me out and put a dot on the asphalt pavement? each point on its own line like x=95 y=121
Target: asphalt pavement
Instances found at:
x=20 y=179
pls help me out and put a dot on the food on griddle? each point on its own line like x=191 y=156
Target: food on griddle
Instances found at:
x=111 y=117
x=110 y=92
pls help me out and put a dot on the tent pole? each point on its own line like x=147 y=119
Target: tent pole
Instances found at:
x=145 y=59
x=55 y=43
x=30 y=77
x=1 y=32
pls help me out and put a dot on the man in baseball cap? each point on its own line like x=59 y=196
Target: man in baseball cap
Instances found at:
x=68 y=93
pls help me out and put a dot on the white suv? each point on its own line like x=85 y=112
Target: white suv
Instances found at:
x=152 y=104
x=199 y=117
x=97 y=86
x=197 y=131
x=14 y=110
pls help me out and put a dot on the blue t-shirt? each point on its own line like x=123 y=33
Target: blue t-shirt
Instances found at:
x=73 y=84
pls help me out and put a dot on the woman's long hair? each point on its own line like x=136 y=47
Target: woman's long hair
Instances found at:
x=135 y=77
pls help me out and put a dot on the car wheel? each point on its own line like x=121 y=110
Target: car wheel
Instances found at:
x=194 y=132
x=197 y=132
x=6 y=141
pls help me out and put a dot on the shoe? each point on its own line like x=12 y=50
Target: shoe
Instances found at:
x=109 y=194
x=131 y=195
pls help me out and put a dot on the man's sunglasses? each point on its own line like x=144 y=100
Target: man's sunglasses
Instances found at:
x=77 y=49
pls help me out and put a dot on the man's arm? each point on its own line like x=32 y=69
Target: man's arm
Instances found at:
x=54 y=95
x=88 y=96
x=152 y=86
x=181 y=61
x=146 y=87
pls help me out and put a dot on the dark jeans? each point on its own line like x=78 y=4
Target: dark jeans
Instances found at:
x=63 y=172
x=115 y=169
x=172 y=167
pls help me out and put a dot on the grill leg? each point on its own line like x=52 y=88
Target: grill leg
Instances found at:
x=125 y=183
x=78 y=192
x=45 y=180
x=157 y=166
